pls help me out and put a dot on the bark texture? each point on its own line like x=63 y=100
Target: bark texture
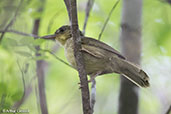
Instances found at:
x=131 y=48
x=72 y=10
x=79 y=58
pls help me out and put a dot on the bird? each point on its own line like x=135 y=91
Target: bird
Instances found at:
x=99 y=58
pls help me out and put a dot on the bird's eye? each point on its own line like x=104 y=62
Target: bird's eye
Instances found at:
x=61 y=30
x=57 y=32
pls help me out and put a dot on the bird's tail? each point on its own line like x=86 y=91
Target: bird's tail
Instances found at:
x=133 y=73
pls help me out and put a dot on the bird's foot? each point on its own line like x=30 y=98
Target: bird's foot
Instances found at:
x=80 y=86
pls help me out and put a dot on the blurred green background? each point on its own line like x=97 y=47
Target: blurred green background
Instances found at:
x=63 y=95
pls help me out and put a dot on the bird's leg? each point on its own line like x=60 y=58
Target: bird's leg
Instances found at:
x=80 y=83
x=92 y=78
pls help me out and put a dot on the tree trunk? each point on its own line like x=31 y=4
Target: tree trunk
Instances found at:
x=131 y=48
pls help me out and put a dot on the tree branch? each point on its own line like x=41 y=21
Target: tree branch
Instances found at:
x=67 y=4
x=20 y=33
x=93 y=86
x=93 y=95
x=87 y=13
x=57 y=57
x=104 y=26
x=11 y=22
x=27 y=89
x=22 y=75
x=169 y=110
x=79 y=58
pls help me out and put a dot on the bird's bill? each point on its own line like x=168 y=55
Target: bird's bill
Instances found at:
x=49 y=37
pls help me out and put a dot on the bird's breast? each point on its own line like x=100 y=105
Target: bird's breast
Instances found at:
x=69 y=52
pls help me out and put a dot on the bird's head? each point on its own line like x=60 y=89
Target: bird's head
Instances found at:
x=62 y=34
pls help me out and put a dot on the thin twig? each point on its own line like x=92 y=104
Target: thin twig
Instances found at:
x=20 y=33
x=93 y=95
x=93 y=87
x=11 y=22
x=22 y=74
x=104 y=26
x=87 y=13
x=27 y=34
x=27 y=90
x=57 y=57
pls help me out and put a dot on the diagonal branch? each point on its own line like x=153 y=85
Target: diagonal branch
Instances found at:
x=104 y=26
x=11 y=22
x=88 y=9
x=57 y=57
x=22 y=74
x=27 y=89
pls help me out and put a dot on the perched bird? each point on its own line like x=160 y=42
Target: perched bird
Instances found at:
x=99 y=57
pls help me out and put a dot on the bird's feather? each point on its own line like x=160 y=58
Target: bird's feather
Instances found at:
x=96 y=43
x=113 y=58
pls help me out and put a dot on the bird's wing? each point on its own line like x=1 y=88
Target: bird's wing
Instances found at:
x=89 y=43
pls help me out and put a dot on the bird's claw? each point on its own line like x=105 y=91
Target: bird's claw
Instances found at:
x=80 y=86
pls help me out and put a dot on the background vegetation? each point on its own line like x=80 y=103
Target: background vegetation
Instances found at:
x=17 y=57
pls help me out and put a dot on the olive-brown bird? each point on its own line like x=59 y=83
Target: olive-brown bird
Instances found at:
x=99 y=57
